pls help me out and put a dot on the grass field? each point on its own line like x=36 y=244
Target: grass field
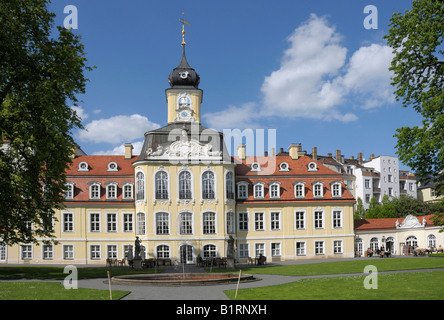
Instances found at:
x=52 y=291
x=427 y=285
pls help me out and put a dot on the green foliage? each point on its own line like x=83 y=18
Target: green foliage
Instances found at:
x=40 y=77
x=417 y=41
x=401 y=207
x=360 y=211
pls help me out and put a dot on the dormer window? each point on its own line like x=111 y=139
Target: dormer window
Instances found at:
x=318 y=190
x=299 y=190
x=312 y=167
x=258 y=190
x=111 y=190
x=336 y=190
x=83 y=166
x=112 y=167
x=127 y=191
x=69 y=190
x=242 y=190
x=284 y=167
x=94 y=191
x=275 y=190
x=255 y=167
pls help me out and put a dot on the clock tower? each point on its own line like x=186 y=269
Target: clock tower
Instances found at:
x=184 y=97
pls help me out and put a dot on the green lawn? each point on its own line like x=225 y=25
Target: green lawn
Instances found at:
x=427 y=285
x=52 y=291
x=56 y=290
x=56 y=273
x=349 y=266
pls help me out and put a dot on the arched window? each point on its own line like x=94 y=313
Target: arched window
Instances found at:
x=163 y=251
x=374 y=244
x=140 y=186
x=229 y=182
x=209 y=251
x=141 y=223
x=299 y=190
x=94 y=191
x=185 y=185
x=412 y=241
x=208 y=191
x=161 y=181
x=275 y=190
x=431 y=241
x=336 y=191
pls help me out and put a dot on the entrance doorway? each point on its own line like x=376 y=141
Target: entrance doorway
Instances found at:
x=186 y=254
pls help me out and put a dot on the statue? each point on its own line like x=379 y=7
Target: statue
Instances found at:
x=137 y=250
x=230 y=251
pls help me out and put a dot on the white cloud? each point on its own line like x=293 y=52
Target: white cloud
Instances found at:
x=315 y=81
x=305 y=86
x=120 y=149
x=80 y=112
x=244 y=116
x=117 y=129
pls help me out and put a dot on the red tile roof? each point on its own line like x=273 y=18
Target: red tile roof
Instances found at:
x=98 y=166
x=386 y=223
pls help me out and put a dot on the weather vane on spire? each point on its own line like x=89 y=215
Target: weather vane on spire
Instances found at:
x=183 y=28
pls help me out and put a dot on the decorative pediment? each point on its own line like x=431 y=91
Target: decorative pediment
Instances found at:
x=409 y=222
x=184 y=149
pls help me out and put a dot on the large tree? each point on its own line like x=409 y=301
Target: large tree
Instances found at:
x=41 y=73
x=418 y=65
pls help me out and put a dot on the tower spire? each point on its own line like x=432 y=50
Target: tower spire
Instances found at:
x=183 y=29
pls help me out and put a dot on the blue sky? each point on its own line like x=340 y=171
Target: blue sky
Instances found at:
x=308 y=69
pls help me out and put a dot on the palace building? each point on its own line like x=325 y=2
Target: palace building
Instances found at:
x=184 y=196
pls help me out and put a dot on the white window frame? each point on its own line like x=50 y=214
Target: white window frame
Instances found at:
x=301 y=185
x=92 y=254
x=336 y=189
x=26 y=251
x=242 y=194
x=141 y=223
x=111 y=222
x=275 y=194
x=277 y=250
x=162 y=225
x=112 y=167
x=243 y=218
x=297 y=219
x=127 y=223
x=112 y=254
x=83 y=167
x=97 y=224
x=128 y=194
x=259 y=224
x=230 y=218
x=302 y=250
x=186 y=226
x=48 y=252
x=68 y=251
x=259 y=247
x=110 y=194
x=179 y=185
x=203 y=185
x=274 y=221
x=318 y=190
x=319 y=247
x=92 y=195
x=338 y=246
x=318 y=223
x=229 y=185
x=261 y=190
x=69 y=191
x=140 y=185
x=160 y=194
x=337 y=222
x=244 y=250
x=66 y=222
x=207 y=228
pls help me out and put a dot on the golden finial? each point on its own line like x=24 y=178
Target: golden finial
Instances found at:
x=183 y=28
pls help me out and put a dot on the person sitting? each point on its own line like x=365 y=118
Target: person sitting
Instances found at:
x=261 y=260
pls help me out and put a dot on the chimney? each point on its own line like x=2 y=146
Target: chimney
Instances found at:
x=372 y=156
x=360 y=158
x=329 y=155
x=265 y=153
x=273 y=152
x=338 y=155
x=352 y=157
x=128 y=151
x=241 y=152
x=293 y=150
x=315 y=153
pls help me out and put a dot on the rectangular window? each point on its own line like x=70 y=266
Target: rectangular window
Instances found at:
x=275 y=191
x=94 y=220
x=141 y=223
x=127 y=222
x=243 y=221
x=48 y=252
x=275 y=221
x=259 y=218
x=367 y=183
x=186 y=223
x=111 y=222
x=2 y=252
x=111 y=251
x=128 y=191
x=209 y=223
x=337 y=219
x=94 y=252
x=276 y=249
x=259 y=249
x=242 y=191
x=68 y=252
x=244 y=251
x=68 y=222
x=337 y=246
x=300 y=220
x=319 y=219
x=69 y=191
x=300 y=248
x=111 y=192
x=26 y=251
x=319 y=247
